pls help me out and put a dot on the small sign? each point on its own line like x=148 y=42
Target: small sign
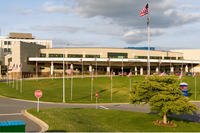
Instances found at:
x=38 y=93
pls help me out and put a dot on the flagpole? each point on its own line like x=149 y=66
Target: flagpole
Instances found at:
x=130 y=83
x=92 y=79
x=148 y=43
x=63 y=79
x=195 y=86
x=82 y=67
x=122 y=66
x=111 y=86
x=21 y=79
x=13 y=85
x=71 y=86
x=96 y=66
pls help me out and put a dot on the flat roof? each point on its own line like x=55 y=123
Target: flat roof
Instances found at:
x=15 y=35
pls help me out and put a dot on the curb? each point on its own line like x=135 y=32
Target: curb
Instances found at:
x=43 y=102
x=42 y=124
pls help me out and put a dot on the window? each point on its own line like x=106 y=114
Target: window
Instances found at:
x=173 y=58
x=56 y=55
x=92 y=56
x=9 y=59
x=8 y=42
x=170 y=58
x=117 y=55
x=75 y=55
x=141 y=57
x=42 y=55
x=180 y=58
x=155 y=57
x=5 y=50
x=9 y=49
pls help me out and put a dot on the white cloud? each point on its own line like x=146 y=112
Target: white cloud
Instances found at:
x=56 y=28
x=123 y=15
x=24 y=11
x=52 y=7
x=136 y=36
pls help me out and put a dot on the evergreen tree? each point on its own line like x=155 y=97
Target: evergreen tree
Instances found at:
x=163 y=95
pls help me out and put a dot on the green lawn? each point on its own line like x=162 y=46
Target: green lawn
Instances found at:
x=52 y=89
x=92 y=120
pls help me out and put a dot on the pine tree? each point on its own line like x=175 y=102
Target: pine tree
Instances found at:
x=163 y=95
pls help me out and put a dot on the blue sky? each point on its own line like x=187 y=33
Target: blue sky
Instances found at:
x=104 y=23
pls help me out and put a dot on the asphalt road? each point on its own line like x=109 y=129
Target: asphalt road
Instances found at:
x=10 y=109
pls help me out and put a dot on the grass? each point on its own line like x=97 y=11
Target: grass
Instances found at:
x=52 y=89
x=92 y=120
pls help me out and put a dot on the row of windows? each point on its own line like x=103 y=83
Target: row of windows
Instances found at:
x=56 y=55
x=109 y=55
x=117 y=55
x=70 y=55
x=7 y=50
x=7 y=43
x=158 y=57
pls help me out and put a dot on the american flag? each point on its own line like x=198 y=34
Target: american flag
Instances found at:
x=144 y=11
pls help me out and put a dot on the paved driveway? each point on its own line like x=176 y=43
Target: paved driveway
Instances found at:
x=10 y=109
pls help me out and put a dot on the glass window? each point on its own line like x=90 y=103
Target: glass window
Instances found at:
x=92 y=56
x=141 y=57
x=155 y=57
x=56 y=55
x=42 y=55
x=170 y=58
x=8 y=42
x=5 y=50
x=9 y=49
x=5 y=42
x=173 y=58
x=180 y=58
x=9 y=59
x=75 y=55
x=117 y=55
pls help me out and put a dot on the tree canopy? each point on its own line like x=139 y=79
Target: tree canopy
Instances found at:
x=163 y=95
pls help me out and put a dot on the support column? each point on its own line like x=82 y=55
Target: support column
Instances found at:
x=186 y=68
x=172 y=70
x=157 y=70
x=108 y=70
x=136 y=71
x=141 y=70
x=71 y=66
x=52 y=68
x=90 y=68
